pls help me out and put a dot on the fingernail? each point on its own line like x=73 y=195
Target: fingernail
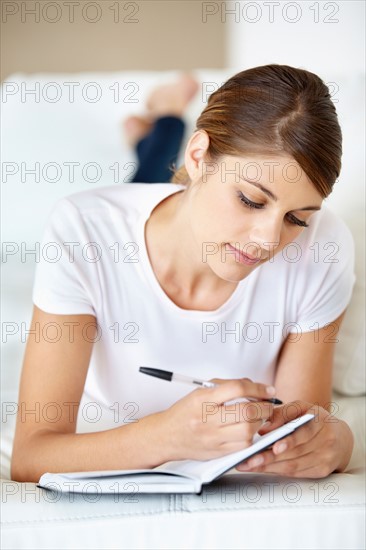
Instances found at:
x=243 y=467
x=266 y=424
x=281 y=447
x=256 y=461
x=271 y=390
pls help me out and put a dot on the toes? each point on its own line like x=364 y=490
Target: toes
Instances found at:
x=190 y=85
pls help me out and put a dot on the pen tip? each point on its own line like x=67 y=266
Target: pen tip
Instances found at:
x=276 y=401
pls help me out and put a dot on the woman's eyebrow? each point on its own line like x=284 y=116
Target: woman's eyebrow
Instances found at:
x=273 y=197
x=262 y=188
x=309 y=208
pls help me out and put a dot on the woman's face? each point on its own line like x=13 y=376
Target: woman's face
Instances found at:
x=243 y=211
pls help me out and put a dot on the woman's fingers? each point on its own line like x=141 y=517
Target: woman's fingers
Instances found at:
x=251 y=414
x=220 y=403
x=228 y=390
x=239 y=432
x=288 y=452
x=302 y=435
x=309 y=451
x=285 y=413
x=309 y=463
x=204 y=415
x=295 y=467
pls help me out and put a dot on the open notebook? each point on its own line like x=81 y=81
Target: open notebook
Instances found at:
x=179 y=476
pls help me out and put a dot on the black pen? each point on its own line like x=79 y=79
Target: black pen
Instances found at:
x=174 y=377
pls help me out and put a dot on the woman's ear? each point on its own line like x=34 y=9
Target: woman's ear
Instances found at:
x=195 y=154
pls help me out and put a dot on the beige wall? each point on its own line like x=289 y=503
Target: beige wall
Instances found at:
x=147 y=34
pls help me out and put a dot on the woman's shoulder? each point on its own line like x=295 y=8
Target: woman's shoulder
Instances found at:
x=327 y=228
x=127 y=199
x=327 y=244
x=325 y=249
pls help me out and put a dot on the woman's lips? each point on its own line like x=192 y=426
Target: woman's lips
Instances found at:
x=241 y=257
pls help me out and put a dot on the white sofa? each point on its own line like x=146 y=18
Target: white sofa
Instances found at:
x=249 y=511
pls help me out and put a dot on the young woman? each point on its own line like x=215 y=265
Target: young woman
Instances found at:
x=237 y=274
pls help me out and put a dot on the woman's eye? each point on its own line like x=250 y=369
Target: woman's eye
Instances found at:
x=248 y=202
x=296 y=221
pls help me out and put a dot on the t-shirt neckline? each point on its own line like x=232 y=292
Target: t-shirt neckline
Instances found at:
x=231 y=302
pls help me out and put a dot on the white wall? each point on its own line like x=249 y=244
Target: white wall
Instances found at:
x=324 y=37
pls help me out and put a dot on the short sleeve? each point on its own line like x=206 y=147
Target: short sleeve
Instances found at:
x=66 y=275
x=327 y=275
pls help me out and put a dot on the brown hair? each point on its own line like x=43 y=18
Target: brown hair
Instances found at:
x=275 y=109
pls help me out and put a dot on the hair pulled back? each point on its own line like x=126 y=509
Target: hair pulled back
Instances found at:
x=275 y=110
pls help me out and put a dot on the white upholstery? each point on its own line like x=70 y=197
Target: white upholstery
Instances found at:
x=253 y=511
x=329 y=513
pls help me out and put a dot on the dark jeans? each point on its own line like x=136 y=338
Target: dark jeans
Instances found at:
x=158 y=151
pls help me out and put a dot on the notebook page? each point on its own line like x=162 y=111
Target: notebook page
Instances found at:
x=131 y=484
x=164 y=474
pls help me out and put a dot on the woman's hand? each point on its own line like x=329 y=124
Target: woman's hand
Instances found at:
x=200 y=426
x=315 y=450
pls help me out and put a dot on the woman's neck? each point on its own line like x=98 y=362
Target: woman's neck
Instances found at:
x=176 y=257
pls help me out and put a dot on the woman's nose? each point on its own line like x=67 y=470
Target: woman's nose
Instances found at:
x=266 y=235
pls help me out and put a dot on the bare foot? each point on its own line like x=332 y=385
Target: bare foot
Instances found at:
x=166 y=100
x=172 y=99
x=136 y=128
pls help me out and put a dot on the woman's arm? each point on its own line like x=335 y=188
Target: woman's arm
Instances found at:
x=54 y=372
x=304 y=383
x=305 y=367
x=53 y=378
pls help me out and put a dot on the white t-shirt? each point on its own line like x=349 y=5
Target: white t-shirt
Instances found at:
x=94 y=260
